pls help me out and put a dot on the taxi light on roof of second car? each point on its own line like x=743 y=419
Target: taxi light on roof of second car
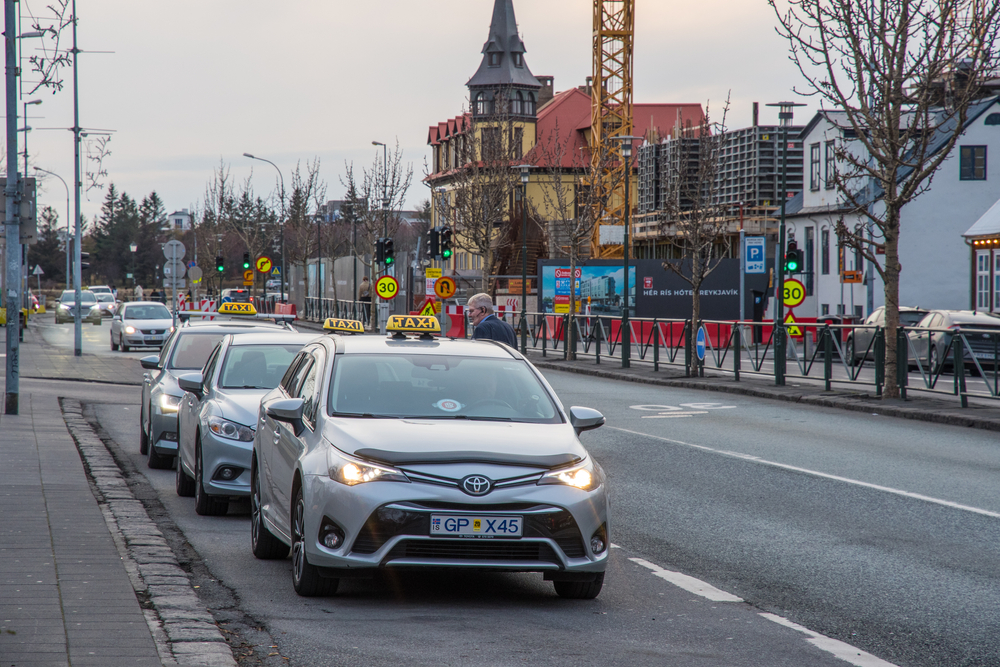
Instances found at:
x=344 y=326
x=413 y=324
x=234 y=308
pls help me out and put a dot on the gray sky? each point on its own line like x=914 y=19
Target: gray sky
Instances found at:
x=193 y=82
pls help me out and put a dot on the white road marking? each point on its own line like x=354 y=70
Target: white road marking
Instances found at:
x=671 y=415
x=838 y=649
x=816 y=473
x=690 y=584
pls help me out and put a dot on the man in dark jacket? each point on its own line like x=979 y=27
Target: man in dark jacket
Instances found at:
x=487 y=325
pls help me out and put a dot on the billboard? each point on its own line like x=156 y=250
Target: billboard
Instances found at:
x=598 y=284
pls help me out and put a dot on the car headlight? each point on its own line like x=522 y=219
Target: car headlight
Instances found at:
x=230 y=430
x=169 y=403
x=171 y=330
x=63 y=306
x=130 y=330
x=350 y=471
x=582 y=476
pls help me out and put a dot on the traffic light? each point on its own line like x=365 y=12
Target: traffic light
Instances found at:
x=220 y=264
x=84 y=261
x=388 y=252
x=445 y=236
x=246 y=261
x=434 y=243
x=793 y=258
x=379 y=251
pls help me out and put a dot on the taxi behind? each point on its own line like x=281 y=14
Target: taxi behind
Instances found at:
x=413 y=451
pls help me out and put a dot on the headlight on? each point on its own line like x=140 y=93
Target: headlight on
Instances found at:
x=230 y=430
x=169 y=403
x=63 y=306
x=582 y=476
x=349 y=470
x=130 y=330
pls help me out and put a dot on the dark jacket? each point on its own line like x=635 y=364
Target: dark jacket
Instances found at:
x=493 y=328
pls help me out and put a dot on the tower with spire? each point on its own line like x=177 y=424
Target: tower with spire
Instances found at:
x=503 y=84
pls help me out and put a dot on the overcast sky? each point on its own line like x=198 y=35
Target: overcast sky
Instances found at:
x=193 y=82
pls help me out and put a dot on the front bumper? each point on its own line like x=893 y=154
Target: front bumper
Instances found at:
x=141 y=340
x=386 y=524
x=163 y=430
x=218 y=453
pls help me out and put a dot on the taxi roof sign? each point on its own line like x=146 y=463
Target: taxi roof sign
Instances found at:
x=237 y=308
x=336 y=325
x=422 y=324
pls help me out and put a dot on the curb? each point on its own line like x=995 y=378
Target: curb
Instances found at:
x=183 y=629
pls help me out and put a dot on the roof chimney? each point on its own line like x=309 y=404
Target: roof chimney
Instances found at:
x=548 y=89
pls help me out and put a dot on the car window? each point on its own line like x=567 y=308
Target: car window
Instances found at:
x=206 y=374
x=300 y=373
x=876 y=318
x=908 y=318
x=192 y=349
x=439 y=387
x=309 y=389
x=166 y=349
x=256 y=366
x=147 y=312
x=288 y=381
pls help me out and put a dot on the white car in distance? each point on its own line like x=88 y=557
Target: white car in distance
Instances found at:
x=140 y=324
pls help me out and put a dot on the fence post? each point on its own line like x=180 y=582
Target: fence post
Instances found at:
x=734 y=335
x=828 y=356
x=656 y=346
x=545 y=334
x=902 y=361
x=879 y=360
x=566 y=337
x=779 y=354
x=597 y=347
x=959 y=369
x=687 y=348
x=626 y=337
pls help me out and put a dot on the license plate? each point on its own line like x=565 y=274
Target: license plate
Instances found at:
x=983 y=355
x=476 y=526
x=153 y=339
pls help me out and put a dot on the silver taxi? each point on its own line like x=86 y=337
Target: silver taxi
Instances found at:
x=413 y=451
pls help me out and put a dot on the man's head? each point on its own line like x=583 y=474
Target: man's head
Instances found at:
x=365 y=279
x=480 y=306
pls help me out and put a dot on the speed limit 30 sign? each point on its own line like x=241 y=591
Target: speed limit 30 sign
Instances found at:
x=386 y=287
x=793 y=293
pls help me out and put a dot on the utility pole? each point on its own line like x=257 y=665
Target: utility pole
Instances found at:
x=12 y=280
x=77 y=322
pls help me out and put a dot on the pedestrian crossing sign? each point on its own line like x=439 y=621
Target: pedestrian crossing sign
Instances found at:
x=792 y=330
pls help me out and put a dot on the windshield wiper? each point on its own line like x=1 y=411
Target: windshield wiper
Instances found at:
x=469 y=417
x=365 y=415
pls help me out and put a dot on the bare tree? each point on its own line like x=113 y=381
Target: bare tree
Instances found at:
x=300 y=229
x=694 y=220
x=905 y=73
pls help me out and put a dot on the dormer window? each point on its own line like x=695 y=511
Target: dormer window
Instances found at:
x=494 y=59
x=518 y=60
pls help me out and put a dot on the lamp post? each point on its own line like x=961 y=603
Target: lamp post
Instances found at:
x=284 y=267
x=525 y=176
x=626 y=336
x=133 y=247
x=68 y=228
x=785 y=113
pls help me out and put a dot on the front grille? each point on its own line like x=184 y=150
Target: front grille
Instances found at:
x=473 y=550
x=386 y=523
x=152 y=332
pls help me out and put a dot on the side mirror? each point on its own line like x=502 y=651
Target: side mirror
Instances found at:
x=288 y=410
x=585 y=419
x=191 y=382
x=151 y=363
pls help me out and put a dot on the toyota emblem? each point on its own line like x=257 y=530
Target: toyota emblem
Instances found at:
x=477 y=485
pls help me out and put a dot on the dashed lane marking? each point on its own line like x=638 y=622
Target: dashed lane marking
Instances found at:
x=816 y=473
x=838 y=649
x=690 y=584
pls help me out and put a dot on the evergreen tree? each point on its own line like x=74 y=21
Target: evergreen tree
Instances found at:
x=50 y=250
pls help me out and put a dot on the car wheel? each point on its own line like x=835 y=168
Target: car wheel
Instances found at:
x=183 y=483
x=125 y=347
x=114 y=345
x=852 y=359
x=204 y=504
x=580 y=590
x=937 y=358
x=305 y=577
x=264 y=545
x=143 y=438
x=154 y=459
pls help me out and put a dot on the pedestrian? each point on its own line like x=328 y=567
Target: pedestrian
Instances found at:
x=365 y=297
x=137 y=292
x=487 y=325
x=114 y=291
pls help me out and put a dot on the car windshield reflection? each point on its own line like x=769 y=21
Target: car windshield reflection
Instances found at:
x=149 y=312
x=256 y=366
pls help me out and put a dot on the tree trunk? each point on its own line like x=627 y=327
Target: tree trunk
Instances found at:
x=891 y=280
x=695 y=324
x=571 y=346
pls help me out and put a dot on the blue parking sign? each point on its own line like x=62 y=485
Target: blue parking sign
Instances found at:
x=753 y=255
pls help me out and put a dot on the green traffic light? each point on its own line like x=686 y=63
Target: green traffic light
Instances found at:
x=446 y=254
x=389 y=260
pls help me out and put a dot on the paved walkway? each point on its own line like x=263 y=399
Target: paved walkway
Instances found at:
x=41 y=360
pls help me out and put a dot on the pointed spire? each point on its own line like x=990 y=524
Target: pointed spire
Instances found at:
x=503 y=53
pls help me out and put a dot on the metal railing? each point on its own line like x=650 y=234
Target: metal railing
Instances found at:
x=319 y=309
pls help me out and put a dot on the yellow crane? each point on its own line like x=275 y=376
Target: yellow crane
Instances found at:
x=611 y=115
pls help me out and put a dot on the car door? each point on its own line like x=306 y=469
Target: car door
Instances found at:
x=189 y=416
x=288 y=446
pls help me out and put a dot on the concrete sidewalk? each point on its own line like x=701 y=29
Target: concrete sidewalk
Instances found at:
x=40 y=360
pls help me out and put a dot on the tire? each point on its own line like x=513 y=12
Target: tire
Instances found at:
x=125 y=347
x=204 y=504
x=306 y=578
x=939 y=363
x=852 y=358
x=114 y=345
x=263 y=543
x=183 y=483
x=157 y=461
x=580 y=590
x=143 y=438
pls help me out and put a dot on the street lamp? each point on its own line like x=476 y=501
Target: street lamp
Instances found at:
x=133 y=247
x=785 y=112
x=525 y=176
x=284 y=267
x=626 y=335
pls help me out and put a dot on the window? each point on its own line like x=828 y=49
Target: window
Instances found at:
x=309 y=390
x=824 y=252
x=518 y=60
x=824 y=309
x=517 y=106
x=256 y=366
x=494 y=59
x=830 y=177
x=484 y=105
x=972 y=163
x=814 y=167
x=529 y=104
x=518 y=142
x=810 y=251
x=993 y=119
x=983 y=279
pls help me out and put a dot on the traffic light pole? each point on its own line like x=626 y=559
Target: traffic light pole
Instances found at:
x=779 y=260
x=12 y=279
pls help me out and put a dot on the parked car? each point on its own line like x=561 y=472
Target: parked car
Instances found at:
x=218 y=415
x=66 y=310
x=859 y=345
x=931 y=339
x=140 y=324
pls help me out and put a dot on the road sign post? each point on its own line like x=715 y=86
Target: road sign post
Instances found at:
x=753 y=263
x=174 y=251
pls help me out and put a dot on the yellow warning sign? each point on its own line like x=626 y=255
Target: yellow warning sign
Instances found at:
x=428 y=308
x=792 y=330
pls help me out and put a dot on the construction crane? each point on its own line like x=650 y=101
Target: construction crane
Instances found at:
x=611 y=116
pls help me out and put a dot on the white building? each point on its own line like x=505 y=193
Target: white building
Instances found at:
x=178 y=221
x=933 y=253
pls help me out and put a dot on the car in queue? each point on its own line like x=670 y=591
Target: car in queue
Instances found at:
x=217 y=417
x=930 y=341
x=860 y=341
x=66 y=310
x=106 y=304
x=413 y=451
x=186 y=350
x=140 y=324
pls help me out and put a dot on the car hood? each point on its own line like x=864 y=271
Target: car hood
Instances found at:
x=150 y=324
x=411 y=441
x=240 y=405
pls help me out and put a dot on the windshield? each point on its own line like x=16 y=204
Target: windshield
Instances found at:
x=438 y=387
x=105 y=298
x=192 y=349
x=256 y=366
x=85 y=297
x=157 y=312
